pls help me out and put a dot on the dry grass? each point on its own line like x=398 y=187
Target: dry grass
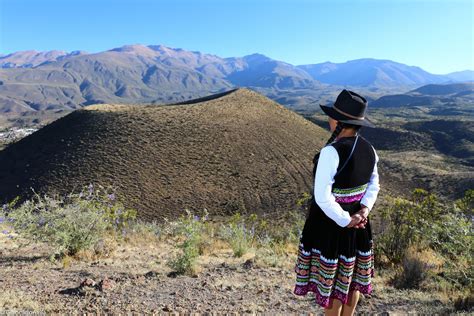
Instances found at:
x=430 y=257
x=20 y=301
x=220 y=282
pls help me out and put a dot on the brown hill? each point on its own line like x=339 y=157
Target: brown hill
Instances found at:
x=238 y=151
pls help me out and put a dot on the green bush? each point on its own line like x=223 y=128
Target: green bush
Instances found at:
x=72 y=223
x=141 y=227
x=192 y=227
x=253 y=232
x=407 y=222
x=293 y=226
x=271 y=251
x=465 y=205
x=239 y=234
x=424 y=222
x=452 y=237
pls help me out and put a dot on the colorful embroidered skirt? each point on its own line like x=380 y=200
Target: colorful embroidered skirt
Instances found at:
x=333 y=260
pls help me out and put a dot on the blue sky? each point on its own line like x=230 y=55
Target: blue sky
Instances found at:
x=435 y=35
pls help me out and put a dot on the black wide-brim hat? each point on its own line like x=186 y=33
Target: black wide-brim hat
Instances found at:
x=350 y=108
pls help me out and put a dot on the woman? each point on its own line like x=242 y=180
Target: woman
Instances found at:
x=335 y=256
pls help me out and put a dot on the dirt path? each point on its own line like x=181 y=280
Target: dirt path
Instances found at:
x=136 y=279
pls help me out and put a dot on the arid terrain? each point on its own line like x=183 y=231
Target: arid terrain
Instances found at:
x=158 y=157
x=241 y=150
x=135 y=278
x=236 y=152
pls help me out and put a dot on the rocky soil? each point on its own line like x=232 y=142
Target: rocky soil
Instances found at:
x=135 y=278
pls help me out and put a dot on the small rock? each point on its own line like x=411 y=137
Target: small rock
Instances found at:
x=248 y=264
x=172 y=274
x=224 y=265
x=88 y=282
x=151 y=274
x=106 y=285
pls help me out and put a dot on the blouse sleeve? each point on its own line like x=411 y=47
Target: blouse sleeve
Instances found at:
x=324 y=178
x=373 y=187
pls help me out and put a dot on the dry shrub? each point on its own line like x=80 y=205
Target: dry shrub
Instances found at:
x=141 y=232
x=413 y=273
x=239 y=234
x=465 y=303
x=73 y=223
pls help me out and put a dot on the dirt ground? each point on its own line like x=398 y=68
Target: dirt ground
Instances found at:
x=135 y=278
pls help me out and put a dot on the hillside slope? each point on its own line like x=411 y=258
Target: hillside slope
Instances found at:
x=236 y=152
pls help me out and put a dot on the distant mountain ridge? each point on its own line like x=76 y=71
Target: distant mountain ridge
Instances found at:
x=32 y=58
x=441 y=95
x=57 y=80
x=369 y=72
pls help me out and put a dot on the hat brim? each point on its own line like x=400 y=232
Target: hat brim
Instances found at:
x=342 y=118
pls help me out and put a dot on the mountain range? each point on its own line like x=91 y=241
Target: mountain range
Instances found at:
x=370 y=72
x=57 y=80
x=31 y=58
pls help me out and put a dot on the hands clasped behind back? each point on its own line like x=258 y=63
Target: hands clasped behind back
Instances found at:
x=359 y=219
x=324 y=179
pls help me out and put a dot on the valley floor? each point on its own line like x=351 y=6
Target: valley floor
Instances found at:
x=135 y=278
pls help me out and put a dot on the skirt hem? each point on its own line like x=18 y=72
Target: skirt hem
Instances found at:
x=324 y=301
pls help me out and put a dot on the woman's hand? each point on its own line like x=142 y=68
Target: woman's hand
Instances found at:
x=361 y=224
x=356 y=219
x=364 y=213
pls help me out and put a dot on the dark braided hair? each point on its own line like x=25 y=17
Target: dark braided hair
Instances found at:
x=336 y=132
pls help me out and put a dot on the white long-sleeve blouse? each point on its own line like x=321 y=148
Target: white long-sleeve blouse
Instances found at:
x=324 y=178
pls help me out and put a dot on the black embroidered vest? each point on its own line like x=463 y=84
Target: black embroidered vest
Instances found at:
x=351 y=182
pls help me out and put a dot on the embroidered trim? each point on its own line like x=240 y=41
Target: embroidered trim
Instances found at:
x=349 y=195
x=349 y=191
x=333 y=278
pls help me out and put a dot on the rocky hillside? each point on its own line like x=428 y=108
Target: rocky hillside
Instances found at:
x=234 y=152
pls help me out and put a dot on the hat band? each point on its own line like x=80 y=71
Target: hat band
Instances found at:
x=349 y=115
